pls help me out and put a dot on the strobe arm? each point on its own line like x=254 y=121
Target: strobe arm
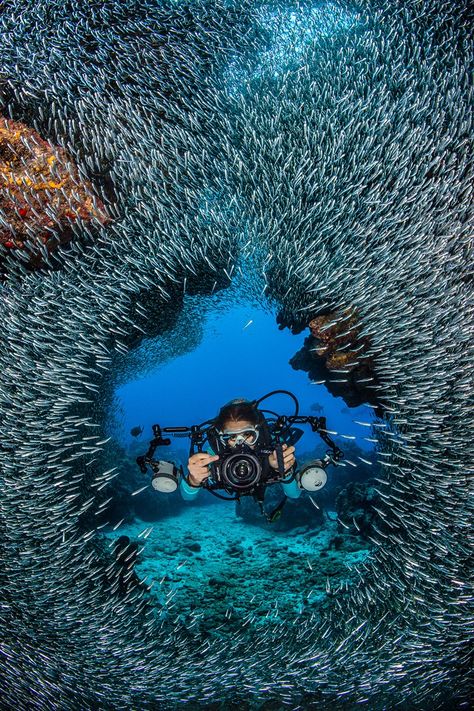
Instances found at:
x=318 y=424
x=195 y=433
x=157 y=441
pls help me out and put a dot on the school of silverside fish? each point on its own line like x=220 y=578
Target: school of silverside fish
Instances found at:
x=338 y=164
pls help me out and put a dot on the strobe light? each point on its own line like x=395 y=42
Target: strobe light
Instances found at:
x=313 y=477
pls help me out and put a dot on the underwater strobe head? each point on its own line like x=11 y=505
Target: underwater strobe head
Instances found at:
x=313 y=477
x=241 y=471
x=165 y=477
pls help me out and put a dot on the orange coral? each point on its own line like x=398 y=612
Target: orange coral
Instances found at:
x=336 y=334
x=42 y=193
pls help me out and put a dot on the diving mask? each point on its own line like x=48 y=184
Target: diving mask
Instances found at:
x=246 y=435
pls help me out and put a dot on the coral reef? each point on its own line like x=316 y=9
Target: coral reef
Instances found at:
x=338 y=353
x=354 y=381
x=338 y=340
x=42 y=195
x=212 y=572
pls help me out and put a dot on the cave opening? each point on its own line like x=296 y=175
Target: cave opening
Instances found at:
x=218 y=566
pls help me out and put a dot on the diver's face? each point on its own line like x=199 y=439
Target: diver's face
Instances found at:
x=245 y=432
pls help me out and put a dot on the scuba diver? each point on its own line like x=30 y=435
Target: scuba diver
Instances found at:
x=238 y=422
x=246 y=453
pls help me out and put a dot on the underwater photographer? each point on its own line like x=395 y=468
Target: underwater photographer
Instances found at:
x=239 y=422
x=246 y=453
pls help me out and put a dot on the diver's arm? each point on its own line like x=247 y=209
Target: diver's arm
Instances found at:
x=188 y=492
x=291 y=488
x=198 y=472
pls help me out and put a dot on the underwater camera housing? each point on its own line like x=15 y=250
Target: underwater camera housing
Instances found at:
x=238 y=471
x=243 y=470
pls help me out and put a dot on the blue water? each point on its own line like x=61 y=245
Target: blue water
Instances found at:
x=242 y=353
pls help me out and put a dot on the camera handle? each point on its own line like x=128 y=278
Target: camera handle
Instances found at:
x=197 y=439
x=279 y=455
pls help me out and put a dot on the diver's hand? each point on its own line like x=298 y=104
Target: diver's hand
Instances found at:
x=288 y=458
x=197 y=465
